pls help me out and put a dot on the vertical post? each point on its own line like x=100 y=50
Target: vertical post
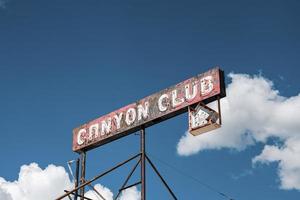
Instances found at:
x=143 y=165
x=77 y=177
x=219 y=110
x=82 y=179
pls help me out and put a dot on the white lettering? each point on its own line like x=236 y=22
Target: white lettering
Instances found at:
x=188 y=94
x=106 y=126
x=118 y=119
x=206 y=85
x=162 y=107
x=143 y=111
x=130 y=116
x=176 y=101
x=79 y=135
x=93 y=131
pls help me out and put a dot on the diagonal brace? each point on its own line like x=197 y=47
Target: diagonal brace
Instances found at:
x=127 y=179
x=99 y=176
x=96 y=191
x=161 y=178
x=73 y=193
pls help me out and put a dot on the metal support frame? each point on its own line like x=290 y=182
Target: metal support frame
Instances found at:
x=97 y=177
x=77 y=178
x=132 y=185
x=219 y=110
x=96 y=191
x=82 y=178
x=73 y=193
x=161 y=178
x=127 y=179
x=143 y=165
x=143 y=158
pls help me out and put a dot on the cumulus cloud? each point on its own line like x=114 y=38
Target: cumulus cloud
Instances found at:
x=35 y=183
x=288 y=159
x=254 y=111
x=3 y=194
x=104 y=191
x=129 y=194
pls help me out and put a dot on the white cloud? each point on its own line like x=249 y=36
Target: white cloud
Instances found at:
x=35 y=183
x=105 y=192
x=246 y=172
x=129 y=194
x=253 y=111
x=4 y=194
x=288 y=159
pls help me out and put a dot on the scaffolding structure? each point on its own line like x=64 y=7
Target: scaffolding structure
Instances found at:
x=141 y=159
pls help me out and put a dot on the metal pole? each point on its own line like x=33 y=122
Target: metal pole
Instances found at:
x=143 y=165
x=129 y=186
x=77 y=177
x=98 y=176
x=82 y=179
x=127 y=179
x=219 y=110
x=96 y=191
x=78 y=195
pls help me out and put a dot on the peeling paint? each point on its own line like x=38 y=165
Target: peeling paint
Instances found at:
x=150 y=110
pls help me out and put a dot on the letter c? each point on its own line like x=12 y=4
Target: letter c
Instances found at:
x=79 y=140
x=162 y=107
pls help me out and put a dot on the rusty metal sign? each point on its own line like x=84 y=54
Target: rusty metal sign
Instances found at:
x=170 y=102
x=202 y=119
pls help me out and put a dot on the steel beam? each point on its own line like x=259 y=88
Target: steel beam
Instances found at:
x=77 y=178
x=161 y=178
x=127 y=179
x=143 y=165
x=98 y=176
x=82 y=179
x=73 y=193
x=96 y=191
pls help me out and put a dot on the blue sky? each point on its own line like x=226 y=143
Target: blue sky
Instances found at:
x=64 y=62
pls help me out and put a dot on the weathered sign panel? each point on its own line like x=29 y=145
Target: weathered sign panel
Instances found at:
x=150 y=110
x=202 y=119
